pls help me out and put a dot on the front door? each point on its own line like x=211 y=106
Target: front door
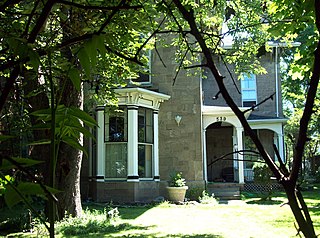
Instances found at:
x=219 y=152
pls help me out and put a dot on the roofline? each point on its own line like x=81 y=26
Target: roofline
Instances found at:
x=271 y=120
x=144 y=91
x=272 y=44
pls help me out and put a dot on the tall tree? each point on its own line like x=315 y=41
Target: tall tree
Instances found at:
x=55 y=46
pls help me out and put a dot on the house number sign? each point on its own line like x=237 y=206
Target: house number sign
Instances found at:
x=221 y=118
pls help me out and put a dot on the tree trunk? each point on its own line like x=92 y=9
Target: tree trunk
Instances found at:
x=69 y=161
x=37 y=102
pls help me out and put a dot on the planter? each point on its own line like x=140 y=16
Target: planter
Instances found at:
x=176 y=194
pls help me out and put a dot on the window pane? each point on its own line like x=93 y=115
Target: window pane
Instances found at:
x=248 y=88
x=145 y=161
x=145 y=125
x=141 y=125
x=248 y=95
x=116 y=160
x=116 y=125
x=149 y=126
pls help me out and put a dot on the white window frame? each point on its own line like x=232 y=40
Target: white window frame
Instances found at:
x=248 y=76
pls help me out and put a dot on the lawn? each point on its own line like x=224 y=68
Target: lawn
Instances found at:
x=249 y=217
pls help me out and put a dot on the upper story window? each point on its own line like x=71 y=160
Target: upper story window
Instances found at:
x=144 y=74
x=249 y=90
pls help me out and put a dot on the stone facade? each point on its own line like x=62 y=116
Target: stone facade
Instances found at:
x=179 y=145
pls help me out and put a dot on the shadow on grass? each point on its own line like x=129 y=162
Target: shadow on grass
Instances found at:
x=126 y=212
x=94 y=229
x=262 y=201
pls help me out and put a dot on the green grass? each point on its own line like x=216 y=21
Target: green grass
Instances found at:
x=251 y=217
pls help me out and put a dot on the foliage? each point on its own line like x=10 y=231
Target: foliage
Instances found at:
x=176 y=180
x=205 y=198
x=262 y=173
x=193 y=193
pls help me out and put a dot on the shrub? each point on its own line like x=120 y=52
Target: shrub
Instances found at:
x=176 y=180
x=207 y=199
x=194 y=193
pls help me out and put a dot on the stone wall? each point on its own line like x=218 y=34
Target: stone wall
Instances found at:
x=265 y=87
x=179 y=146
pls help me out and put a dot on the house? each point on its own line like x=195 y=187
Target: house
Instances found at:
x=164 y=127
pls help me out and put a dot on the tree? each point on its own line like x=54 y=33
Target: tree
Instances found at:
x=54 y=47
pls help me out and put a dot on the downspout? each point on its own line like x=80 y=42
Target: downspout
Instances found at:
x=203 y=134
x=277 y=83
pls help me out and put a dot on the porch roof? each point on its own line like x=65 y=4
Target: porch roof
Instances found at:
x=222 y=111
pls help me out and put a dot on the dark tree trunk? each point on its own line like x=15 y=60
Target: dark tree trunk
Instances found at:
x=69 y=163
x=37 y=102
x=69 y=159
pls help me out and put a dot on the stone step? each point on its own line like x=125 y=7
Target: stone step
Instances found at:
x=224 y=191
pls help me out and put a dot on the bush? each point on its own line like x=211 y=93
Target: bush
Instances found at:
x=207 y=199
x=262 y=173
x=194 y=193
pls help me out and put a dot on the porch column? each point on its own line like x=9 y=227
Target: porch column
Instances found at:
x=204 y=151
x=156 y=175
x=100 y=157
x=132 y=159
x=235 y=155
x=240 y=155
x=281 y=147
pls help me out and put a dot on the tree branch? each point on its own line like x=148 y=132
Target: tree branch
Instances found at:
x=302 y=137
x=8 y=3
x=238 y=152
x=257 y=105
x=8 y=86
x=101 y=8
x=41 y=21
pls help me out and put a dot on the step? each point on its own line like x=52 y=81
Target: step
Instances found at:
x=224 y=191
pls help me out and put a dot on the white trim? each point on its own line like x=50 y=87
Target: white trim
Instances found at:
x=132 y=156
x=100 y=150
x=141 y=97
x=211 y=114
x=155 y=166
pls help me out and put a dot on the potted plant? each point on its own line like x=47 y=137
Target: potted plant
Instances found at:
x=176 y=191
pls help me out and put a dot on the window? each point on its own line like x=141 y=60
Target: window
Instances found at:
x=248 y=90
x=116 y=143
x=144 y=75
x=145 y=142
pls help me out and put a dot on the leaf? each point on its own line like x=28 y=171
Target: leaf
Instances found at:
x=74 y=75
x=26 y=189
x=84 y=61
x=74 y=143
x=91 y=49
x=24 y=162
x=6 y=137
x=83 y=116
x=42 y=112
x=99 y=42
x=34 y=58
x=11 y=197
x=41 y=142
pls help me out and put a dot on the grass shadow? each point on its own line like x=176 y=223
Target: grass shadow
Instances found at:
x=262 y=201
x=95 y=229
x=135 y=211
